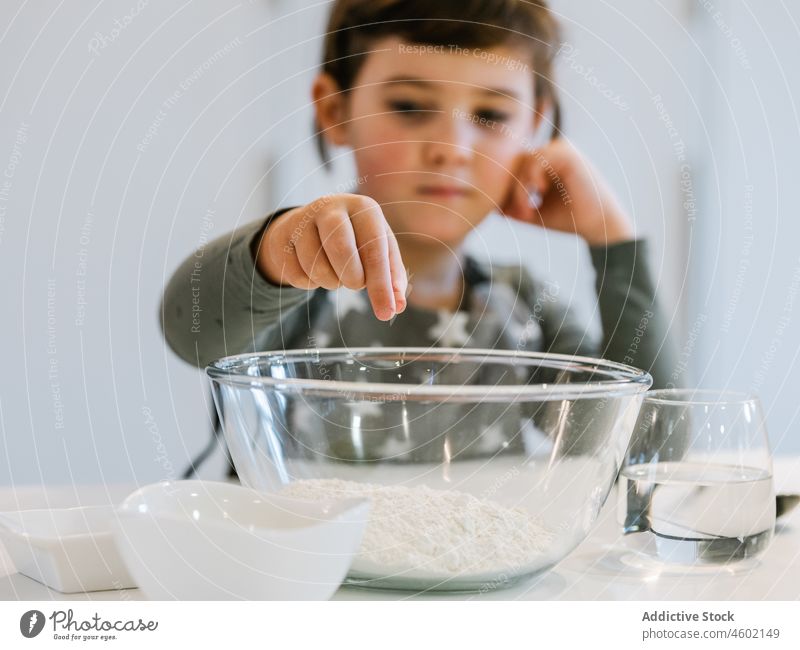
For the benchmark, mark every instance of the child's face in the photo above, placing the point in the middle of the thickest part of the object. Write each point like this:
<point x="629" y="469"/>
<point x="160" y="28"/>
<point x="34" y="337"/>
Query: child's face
<point x="437" y="135"/>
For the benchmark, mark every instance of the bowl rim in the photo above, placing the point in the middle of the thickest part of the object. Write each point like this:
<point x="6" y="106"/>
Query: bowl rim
<point x="632" y="380"/>
<point x="701" y="397"/>
<point x="128" y="509"/>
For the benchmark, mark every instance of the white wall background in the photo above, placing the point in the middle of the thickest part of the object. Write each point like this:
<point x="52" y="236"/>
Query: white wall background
<point x="745" y="259"/>
<point x="121" y="129"/>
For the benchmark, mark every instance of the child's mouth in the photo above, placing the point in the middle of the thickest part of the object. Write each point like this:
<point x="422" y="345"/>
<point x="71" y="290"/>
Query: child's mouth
<point x="444" y="191"/>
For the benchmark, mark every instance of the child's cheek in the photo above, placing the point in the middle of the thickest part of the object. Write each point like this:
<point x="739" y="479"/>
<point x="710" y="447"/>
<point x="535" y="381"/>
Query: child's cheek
<point x="499" y="169"/>
<point x="385" y="156"/>
<point x="380" y="167"/>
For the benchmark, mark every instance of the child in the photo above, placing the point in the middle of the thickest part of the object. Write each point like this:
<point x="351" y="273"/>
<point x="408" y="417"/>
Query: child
<point x="440" y="103"/>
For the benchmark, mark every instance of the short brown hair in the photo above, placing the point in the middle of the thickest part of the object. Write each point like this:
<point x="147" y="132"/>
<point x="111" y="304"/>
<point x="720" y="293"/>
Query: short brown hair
<point x="354" y="25"/>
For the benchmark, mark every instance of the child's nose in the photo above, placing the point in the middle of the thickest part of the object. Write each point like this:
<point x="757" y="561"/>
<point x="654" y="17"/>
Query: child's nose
<point x="449" y="143"/>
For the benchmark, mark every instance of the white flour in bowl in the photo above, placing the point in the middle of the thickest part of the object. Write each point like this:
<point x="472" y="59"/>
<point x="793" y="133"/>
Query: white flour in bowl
<point x="435" y="532"/>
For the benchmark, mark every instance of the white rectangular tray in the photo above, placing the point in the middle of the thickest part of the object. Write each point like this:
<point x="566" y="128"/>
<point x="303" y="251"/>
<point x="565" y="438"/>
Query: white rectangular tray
<point x="68" y="549"/>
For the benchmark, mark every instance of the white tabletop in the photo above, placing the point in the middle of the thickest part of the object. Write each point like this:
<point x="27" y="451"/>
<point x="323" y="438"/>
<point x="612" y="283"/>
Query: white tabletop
<point x="599" y="569"/>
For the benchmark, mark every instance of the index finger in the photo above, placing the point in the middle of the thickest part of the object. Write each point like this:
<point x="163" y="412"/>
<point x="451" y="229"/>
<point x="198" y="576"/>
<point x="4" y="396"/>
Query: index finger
<point x="398" y="270"/>
<point x="373" y="248"/>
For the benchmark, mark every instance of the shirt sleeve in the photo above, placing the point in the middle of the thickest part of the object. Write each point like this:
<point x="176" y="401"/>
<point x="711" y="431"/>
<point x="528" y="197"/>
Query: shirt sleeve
<point x="217" y="303"/>
<point x="635" y="329"/>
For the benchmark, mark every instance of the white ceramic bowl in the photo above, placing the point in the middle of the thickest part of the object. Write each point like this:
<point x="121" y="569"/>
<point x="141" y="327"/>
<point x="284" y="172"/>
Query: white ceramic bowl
<point x="68" y="549"/>
<point x="204" y="540"/>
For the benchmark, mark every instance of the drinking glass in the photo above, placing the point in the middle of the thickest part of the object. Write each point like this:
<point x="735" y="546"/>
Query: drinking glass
<point x="696" y="484"/>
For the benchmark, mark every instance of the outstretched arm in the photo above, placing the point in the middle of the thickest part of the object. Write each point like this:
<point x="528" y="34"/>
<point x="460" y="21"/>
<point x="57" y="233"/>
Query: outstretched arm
<point x="218" y="304"/>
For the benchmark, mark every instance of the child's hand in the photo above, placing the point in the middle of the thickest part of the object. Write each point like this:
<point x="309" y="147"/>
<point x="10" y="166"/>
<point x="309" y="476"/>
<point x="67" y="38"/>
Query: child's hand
<point x="337" y="240"/>
<point x="555" y="187"/>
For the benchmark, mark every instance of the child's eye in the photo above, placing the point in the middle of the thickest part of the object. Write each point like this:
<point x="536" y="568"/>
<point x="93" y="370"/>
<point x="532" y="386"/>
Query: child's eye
<point x="492" y="116"/>
<point x="408" y="108"/>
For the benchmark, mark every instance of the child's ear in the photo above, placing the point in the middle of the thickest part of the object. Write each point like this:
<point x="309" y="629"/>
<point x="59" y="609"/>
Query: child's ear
<point x="330" y="105"/>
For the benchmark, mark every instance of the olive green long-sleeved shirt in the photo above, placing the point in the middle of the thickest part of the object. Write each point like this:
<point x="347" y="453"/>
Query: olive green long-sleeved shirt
<point x="218" y="304"/>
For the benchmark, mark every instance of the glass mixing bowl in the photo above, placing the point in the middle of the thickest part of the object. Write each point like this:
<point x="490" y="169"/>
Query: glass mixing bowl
<point x="483" y="467"/>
